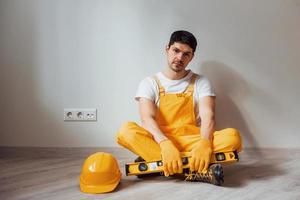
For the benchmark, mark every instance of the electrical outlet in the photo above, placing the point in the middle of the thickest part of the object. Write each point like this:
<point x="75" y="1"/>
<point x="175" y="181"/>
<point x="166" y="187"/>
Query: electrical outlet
<point x="90" y="114"/>
<point x="80" y="114"/>
<point x="68" y="115"/>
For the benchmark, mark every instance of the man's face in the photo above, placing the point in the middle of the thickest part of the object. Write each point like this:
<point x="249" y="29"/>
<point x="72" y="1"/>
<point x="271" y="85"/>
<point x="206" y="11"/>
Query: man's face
<point x="179" y="55"/>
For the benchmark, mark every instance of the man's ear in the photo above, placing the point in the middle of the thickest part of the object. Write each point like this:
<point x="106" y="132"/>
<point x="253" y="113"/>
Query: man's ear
<point x="167" y="47"/>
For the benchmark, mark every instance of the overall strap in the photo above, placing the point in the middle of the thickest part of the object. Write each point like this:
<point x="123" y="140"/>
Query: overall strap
<point x="161" y="88"/>
<point x="190" y="87"/>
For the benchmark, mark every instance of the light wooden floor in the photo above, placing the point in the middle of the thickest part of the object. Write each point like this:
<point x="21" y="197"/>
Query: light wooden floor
<point x="52" y="173"/>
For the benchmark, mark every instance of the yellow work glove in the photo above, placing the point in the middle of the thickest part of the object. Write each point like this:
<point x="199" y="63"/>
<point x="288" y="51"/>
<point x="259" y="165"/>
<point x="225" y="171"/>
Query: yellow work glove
<point x="171" y="158"/>
<point x="200" y="156"/>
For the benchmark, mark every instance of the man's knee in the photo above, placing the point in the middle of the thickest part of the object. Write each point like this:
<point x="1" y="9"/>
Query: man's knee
<point x="234" y="139"/>
<point x="127" y="132"/>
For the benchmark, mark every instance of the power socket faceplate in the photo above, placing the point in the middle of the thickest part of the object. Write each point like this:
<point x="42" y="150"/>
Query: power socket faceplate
<point x="80" y="114"/>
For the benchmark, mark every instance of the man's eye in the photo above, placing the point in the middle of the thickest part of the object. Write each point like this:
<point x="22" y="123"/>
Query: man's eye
<point x="176" y="50"/>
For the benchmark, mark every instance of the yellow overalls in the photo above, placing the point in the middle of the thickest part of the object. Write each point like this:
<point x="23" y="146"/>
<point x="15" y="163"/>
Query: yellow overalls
<point x="176" y="119"/>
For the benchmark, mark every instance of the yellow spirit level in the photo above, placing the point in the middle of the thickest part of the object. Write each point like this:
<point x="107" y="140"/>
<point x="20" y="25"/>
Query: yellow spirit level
<point x="139" y="168"/>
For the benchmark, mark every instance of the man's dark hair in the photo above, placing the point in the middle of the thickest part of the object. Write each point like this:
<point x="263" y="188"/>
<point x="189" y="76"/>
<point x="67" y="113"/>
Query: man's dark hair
<point x="184" y="37"/>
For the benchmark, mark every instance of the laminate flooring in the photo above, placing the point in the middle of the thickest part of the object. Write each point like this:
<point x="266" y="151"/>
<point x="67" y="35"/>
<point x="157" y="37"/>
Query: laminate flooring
<point x="53" y="173"/>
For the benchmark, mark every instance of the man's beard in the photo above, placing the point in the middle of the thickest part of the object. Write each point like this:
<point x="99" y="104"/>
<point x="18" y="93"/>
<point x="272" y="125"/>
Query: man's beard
<point x="176" y="69"/>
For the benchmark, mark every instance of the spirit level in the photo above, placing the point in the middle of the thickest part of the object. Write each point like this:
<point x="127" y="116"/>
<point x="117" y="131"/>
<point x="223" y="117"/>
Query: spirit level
<point x="139" y="168"/>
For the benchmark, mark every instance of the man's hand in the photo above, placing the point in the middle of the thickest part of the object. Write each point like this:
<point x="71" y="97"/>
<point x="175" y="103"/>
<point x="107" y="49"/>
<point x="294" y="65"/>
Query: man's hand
<point x="171" y="158"/>
<point x="200" y="156"/>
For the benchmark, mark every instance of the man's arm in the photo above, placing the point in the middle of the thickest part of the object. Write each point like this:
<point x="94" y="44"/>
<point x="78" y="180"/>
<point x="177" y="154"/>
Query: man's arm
<point x="147" y="113"/>
<point x="201" y="153"/>
<point x="207" y="115"/>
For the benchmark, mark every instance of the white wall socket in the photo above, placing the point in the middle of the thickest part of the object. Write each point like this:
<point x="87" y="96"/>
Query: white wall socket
<point x="80" y="114"/>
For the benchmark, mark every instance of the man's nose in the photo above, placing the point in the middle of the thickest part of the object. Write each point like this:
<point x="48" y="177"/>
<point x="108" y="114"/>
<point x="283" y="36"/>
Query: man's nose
<point x="179" y="56"/>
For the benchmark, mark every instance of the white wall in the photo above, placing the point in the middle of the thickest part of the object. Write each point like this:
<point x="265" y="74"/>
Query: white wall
<point x="57" y="54"/>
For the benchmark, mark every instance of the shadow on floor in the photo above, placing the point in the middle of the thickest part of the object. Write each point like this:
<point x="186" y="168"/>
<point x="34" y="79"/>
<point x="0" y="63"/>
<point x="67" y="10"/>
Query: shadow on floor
<point x="241" y="174"/>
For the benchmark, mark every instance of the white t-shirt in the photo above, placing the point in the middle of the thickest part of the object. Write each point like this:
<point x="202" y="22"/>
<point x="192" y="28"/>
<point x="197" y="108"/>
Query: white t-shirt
<point x="148" y="88"/>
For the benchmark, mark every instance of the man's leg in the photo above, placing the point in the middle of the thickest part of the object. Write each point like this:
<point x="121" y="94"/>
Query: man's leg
<point x="139" y="141"/>
<point x="223" y="141"/>
<point x="228" y="139"/>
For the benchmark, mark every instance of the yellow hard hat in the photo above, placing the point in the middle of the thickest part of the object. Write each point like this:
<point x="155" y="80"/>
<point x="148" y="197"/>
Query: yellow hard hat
<point x="100" y="173"/>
